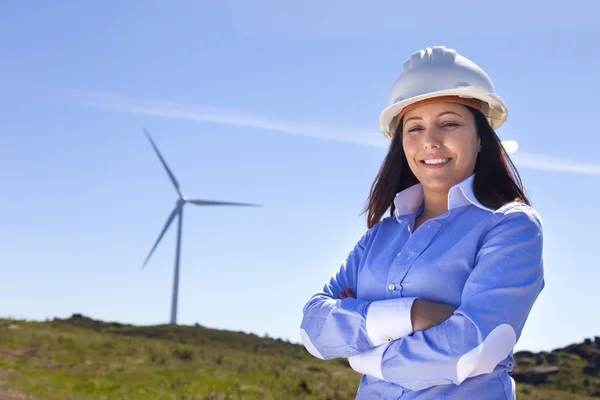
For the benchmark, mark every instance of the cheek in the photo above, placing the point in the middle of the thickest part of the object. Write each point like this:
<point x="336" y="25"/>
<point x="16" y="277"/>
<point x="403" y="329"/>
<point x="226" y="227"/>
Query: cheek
<point x="409" y="148"/>
<point x="466" y="146"/>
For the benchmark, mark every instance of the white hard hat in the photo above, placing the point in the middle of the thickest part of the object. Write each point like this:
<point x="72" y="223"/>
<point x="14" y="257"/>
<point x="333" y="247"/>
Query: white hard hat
<point x="442" y="72"/>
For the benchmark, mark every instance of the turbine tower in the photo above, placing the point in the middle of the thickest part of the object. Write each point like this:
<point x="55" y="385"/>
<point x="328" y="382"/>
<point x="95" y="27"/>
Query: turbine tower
<point x="178" y="212"/>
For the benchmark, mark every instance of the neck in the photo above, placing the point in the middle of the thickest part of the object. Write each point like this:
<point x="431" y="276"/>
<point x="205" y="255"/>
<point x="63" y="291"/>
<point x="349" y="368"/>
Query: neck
<point x="434" y="204"/>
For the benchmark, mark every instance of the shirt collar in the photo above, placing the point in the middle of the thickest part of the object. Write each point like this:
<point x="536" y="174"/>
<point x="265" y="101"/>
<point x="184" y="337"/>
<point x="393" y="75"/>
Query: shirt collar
<point x="410" y="200"/>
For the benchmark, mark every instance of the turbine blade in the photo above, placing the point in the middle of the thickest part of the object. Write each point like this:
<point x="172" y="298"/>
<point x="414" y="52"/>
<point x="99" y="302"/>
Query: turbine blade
<point x="220" y="203"/>
<point x="164" y="163"/>
<point x="162" y="233"/>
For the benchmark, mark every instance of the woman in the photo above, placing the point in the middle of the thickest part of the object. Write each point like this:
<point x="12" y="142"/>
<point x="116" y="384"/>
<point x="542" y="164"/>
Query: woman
<point x="432" y="299"/>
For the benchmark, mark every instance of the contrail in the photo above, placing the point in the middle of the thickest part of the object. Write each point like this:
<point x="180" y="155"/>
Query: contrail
<point x="549" y="163"/>
<point x="221" y="116"/>
<point x="365" y="137"/>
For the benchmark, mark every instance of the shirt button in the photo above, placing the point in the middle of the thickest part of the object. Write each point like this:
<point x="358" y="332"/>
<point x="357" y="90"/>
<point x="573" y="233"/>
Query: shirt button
<point x="392" y="286"/>
<point x="399" y="254"/>
<point x="389" y="339"/>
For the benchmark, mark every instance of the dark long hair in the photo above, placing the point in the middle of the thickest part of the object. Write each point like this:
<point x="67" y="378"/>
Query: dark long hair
<point x="496" y="183"/>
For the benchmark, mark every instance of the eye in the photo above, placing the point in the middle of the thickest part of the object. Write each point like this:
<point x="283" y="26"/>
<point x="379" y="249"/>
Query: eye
<point x="415" y="128"/>
<point x="450" y="124"/>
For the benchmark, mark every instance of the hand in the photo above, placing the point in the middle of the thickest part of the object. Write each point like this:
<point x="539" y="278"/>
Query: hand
<point x="427" y="314"/>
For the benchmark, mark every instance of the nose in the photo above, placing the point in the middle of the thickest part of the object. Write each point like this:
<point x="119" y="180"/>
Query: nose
<point x="431" y="138"/>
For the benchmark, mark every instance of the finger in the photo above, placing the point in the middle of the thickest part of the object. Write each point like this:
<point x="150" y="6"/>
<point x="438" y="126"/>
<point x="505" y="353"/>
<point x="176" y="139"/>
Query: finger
<point x="342" y="295"/>
<point x="349" y="293"/>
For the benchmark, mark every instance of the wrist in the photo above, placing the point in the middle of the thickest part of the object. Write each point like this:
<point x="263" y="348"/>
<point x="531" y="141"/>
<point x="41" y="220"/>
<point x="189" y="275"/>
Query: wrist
<point x="415" y="314"/>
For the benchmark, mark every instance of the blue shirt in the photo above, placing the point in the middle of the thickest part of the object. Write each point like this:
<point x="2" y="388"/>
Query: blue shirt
<point x="486" y="263"/>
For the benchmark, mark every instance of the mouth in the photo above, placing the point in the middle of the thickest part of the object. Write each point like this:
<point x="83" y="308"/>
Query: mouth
<point x="435" y="162"/>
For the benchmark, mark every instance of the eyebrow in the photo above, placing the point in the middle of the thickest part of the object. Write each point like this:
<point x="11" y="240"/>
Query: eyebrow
<point x="439" y="115"/>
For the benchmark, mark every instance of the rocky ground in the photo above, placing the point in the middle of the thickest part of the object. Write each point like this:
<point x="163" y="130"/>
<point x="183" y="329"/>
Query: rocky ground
<point x="575" y="368"/>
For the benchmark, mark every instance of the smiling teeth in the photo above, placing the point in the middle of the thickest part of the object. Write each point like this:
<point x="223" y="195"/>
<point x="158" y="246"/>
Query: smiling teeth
<point x="437" y="161"/>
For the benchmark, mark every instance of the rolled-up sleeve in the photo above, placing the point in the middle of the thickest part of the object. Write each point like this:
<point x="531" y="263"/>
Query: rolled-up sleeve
<point x="333" y="328"/>
<point x="496" y="300"/>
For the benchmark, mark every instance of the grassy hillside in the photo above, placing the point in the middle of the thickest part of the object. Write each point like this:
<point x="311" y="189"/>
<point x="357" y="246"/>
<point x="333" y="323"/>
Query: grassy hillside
<point x="83" y="359"/>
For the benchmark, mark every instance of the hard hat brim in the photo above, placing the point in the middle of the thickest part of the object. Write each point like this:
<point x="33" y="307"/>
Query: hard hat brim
<point x="495" y="110"/>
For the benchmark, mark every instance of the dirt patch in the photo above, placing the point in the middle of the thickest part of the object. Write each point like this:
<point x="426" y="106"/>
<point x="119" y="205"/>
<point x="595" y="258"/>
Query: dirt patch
<point x="16" y="353"/>
<point x="9" y="394"/>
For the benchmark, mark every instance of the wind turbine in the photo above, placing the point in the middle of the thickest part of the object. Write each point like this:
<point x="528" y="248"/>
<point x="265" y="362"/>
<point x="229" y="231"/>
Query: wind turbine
<point x="178" y="212"/>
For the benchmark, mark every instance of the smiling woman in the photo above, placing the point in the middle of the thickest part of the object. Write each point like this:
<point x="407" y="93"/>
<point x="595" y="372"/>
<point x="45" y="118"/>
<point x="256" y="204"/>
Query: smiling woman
<point x="432" y="299"/>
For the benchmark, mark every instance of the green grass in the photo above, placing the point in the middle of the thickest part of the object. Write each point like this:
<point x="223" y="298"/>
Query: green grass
<point x="528" y="392"/>
<point x="57" y="360"/>
<point x="84" y="359"/>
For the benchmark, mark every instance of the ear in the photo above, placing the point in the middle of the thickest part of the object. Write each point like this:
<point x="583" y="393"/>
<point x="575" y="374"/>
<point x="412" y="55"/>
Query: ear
<point x="478" y="144"/>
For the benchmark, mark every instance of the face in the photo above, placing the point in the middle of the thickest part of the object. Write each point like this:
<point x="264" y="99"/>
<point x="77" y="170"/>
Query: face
<point x="444" y="135"/>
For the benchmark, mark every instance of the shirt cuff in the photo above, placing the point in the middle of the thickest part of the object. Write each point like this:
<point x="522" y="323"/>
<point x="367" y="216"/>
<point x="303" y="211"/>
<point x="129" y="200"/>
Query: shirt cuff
<point x="389" y="320"/>
<point x="369" y="362"/>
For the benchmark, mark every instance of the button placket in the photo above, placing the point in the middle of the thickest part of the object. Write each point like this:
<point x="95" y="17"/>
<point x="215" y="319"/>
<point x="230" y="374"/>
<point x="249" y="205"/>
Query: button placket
<point x="398" y="264"/>
<point x="415" y="245"/>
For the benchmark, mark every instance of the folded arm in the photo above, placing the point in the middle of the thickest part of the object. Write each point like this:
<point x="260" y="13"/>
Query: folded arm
<point x="496" y="301"/>
<point x="333" y="327"/>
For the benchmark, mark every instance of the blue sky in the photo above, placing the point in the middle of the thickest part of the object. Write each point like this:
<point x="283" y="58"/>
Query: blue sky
<point x="265" y="102"/>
